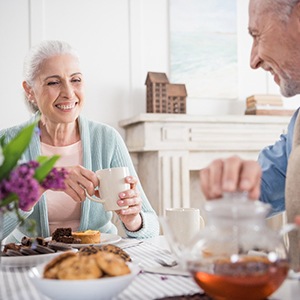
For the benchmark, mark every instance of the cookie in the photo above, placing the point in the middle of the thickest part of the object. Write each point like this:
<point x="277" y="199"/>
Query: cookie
<point x="116" y="250"/>
<point x="111" y="264"/>
<point x="51" y="268"/>
<point x="79" y="267"/>
<point x="88" y="250"/>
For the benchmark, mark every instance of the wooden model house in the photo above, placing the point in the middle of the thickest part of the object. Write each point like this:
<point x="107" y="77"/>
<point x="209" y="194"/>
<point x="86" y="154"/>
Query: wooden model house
<point x="176" y="98"/>
<point x="156" y="91"/>
<point x="164" y="97"/>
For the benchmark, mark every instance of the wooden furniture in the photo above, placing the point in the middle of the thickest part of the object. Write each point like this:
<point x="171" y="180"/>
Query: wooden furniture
<point x="169" y="149"/>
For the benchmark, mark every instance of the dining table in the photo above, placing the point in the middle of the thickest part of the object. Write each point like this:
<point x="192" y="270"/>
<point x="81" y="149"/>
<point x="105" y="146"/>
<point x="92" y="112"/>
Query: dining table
<point x="152" y="282"/>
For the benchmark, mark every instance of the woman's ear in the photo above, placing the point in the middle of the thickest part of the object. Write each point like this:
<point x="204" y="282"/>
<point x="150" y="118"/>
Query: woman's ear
<point x="28" y="90"/>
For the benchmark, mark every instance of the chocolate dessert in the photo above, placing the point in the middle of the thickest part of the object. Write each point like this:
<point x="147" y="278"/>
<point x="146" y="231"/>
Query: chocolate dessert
<point x="64" y="235"/>
<point x="33" y="246"/>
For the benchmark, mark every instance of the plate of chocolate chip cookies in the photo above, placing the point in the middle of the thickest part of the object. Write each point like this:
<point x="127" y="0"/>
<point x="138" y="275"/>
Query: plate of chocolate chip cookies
<point x="88" y="274"/>
<point x="32" y="251"/>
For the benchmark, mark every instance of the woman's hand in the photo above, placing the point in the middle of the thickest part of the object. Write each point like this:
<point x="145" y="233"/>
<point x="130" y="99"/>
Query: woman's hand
<point x="231" y="175"/>
<point x="130" y="216"/>
<point x="78" y="180"/>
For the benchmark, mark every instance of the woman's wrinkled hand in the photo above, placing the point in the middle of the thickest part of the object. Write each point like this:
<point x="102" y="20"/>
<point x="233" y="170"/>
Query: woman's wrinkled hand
<point x="78" y="180"/>
<point x="232" y="174"/>
<point x="130" y="216"/>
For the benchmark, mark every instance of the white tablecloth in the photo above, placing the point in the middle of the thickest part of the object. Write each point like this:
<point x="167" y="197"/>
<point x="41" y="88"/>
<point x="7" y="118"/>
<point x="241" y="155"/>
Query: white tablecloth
<point x="15" y="285"/>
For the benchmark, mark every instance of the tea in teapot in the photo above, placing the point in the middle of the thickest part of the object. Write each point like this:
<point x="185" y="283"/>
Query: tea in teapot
<point x="237" y="256"/>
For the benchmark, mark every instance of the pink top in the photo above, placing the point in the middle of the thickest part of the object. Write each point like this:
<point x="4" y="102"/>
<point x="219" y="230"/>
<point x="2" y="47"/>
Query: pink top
<point x="63" y="211"/>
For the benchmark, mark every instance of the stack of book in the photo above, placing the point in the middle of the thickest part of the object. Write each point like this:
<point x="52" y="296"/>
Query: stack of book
<point x="266" y="104"/>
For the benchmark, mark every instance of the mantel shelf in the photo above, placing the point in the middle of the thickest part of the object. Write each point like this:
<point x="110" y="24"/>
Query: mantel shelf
<point x="166" y="148"/>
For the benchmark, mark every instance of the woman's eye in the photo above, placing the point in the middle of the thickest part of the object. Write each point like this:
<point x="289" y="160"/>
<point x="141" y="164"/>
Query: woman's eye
<point x="76" y="80"/>
<point x="52" y="83"/>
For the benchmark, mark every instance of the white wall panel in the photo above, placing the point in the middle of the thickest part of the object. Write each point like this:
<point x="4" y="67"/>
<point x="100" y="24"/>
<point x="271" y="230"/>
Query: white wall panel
<point x="14" y="39"/>
<point x="119" y="42"/>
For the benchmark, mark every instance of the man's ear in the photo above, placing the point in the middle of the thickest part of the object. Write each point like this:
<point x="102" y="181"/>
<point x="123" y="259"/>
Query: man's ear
<point x="28" y="90"/>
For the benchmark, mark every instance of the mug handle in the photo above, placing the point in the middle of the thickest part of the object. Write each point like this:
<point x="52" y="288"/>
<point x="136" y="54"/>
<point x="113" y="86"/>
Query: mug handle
<point x="94" y="198"/>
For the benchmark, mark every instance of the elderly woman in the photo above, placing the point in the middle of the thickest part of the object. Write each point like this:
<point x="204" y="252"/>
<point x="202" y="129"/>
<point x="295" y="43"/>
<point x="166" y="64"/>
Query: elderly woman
<point x="54" y="88"/>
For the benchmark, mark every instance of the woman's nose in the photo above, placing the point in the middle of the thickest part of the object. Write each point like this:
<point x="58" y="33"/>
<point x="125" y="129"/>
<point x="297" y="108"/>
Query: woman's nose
<point x="68" y="90"/>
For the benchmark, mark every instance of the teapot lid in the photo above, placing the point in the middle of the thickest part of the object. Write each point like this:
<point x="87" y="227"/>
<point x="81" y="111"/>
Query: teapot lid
<point x="237" y="206"/>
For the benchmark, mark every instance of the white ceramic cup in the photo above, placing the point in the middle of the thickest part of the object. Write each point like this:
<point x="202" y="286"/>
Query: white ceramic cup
<point x="185" y="223"/>
<point x="111" y="183"/>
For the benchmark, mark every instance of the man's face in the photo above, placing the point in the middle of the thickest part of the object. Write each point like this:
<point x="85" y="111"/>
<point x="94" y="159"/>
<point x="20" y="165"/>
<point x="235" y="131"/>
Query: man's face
<point x="276" y="45"/>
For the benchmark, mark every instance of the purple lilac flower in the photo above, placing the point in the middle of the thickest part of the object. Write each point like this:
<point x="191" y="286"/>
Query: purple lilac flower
<point x="37" y="130"/>
<point x="22" y="183"/>
<point x="55" y="179"/>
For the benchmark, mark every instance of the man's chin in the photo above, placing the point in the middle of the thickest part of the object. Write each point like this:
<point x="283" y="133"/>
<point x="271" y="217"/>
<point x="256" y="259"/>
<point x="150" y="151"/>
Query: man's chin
<point x="288" y="89"/>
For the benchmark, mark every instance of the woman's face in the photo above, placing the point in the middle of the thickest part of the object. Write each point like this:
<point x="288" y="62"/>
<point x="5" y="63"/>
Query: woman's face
<point x="58" y="89"/>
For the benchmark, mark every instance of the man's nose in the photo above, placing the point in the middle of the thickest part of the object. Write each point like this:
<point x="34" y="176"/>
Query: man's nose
<point x="255" y="60"/>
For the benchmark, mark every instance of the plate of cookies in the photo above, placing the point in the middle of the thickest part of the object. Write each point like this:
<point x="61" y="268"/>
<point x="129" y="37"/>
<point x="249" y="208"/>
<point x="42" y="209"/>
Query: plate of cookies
<point x="79" y="239"/>
<point x="83" y="275"/>
<point x="32" y="251"/>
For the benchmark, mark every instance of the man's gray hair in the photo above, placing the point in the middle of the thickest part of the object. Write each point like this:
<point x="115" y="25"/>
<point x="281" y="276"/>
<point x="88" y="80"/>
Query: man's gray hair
<point x="281" y="8"/>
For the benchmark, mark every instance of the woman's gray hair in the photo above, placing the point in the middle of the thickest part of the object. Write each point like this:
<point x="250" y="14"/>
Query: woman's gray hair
<point x="37" y="55"/>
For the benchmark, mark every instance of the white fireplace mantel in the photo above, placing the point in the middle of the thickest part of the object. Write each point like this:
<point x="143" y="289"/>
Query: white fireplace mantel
<point x="168" y="148"/>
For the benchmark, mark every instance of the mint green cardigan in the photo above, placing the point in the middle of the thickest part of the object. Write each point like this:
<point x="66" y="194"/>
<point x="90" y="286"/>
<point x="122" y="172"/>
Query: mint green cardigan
<point x="103" y="147"/>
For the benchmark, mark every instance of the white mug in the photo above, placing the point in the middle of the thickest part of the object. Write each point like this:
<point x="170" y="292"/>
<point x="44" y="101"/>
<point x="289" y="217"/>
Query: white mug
<point x="111" y="183"/>
<point x="185" y="223"/>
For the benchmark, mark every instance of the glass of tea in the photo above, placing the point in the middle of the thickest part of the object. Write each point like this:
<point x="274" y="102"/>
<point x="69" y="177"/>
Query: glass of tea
<point x="236" y="256"/>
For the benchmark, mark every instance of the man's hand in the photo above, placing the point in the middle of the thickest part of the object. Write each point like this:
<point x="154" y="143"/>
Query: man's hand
<point x="231" y="175"/>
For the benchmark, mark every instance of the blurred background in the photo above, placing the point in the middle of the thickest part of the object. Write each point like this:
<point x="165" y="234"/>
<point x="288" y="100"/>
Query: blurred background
<point x="119" y="41"/>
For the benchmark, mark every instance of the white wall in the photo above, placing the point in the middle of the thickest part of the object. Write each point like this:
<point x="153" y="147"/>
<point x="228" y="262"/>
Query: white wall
<point x="119" y="42"/>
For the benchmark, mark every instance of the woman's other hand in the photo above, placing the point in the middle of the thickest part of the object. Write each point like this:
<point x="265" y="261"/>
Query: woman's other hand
<point x="80" y="179"/>
<point x="130" y="216"/>
<point x="231" y="175"/>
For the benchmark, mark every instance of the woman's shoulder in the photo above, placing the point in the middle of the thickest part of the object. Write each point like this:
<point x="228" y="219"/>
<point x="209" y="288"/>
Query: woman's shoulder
<point x="12" y="131"/>
<point x="97" y="127"/>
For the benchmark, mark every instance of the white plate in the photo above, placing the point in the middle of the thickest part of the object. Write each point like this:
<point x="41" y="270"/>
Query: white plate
<point x="29" y="260"/>
<point x="106" y="238"/>
<point x="102" y="288"/>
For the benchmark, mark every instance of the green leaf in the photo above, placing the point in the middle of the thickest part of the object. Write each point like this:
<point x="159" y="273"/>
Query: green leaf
<point x="42" y="171"/>
<point x="13" y="150"/>
<point x="2" y="141"/>
<point x="9" y="199"/>
<point x="41" y="159"/>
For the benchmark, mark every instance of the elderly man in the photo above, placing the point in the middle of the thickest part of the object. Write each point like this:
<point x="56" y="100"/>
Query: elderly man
<point x="275" y="29"/>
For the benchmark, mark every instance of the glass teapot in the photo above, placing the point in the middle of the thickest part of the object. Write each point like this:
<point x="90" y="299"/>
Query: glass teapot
<point x="236" y="256"/>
